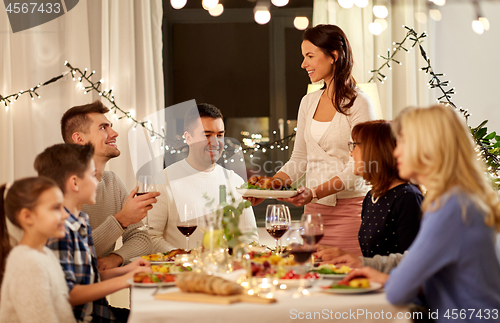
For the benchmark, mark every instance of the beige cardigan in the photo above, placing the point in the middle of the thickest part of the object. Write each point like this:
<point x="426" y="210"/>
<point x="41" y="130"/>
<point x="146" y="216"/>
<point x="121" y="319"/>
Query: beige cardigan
<point x="329" y="157"/>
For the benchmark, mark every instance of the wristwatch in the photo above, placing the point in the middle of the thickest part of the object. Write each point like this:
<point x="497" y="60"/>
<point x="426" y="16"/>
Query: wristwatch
<point x="315" y="196"/>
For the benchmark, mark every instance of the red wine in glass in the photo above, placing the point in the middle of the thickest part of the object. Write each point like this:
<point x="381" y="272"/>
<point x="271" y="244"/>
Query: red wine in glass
<point x="187" y="230"/>
<point x="312" y="239"/>
<point x="302" y="255"/>
<point x="277" y="231"/>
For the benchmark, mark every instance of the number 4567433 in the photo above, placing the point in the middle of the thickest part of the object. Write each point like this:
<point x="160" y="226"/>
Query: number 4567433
<point x="33" y="7"/>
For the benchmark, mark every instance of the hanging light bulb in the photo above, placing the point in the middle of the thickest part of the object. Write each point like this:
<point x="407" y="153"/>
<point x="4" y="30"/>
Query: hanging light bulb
<point x="346" y="3"/>
<point x="301" y="23"/>
<point x="380" y="11"/>
<point x="361" y="3"/>
<point x="262" y="16"/>
<point x="478" y="27"/>
<point x="382" y="23"/>
<point x="279" y="3"/>
<point x="435" y="14"/>
<point x="217" y="10"/>
<point x="178" y="4"/>
<point x="439" y="2"/>
<point x="485" y="22"/>
<point x="207" y="4"/>
<point x="375" y="28"/>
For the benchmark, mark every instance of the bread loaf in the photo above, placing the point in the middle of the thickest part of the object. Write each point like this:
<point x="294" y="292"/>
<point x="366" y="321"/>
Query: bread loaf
<point x="209" y="284"/>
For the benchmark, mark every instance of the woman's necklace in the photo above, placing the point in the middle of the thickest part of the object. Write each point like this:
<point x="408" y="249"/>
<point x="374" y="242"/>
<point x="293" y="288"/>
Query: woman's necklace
<point x="374" y="201"/>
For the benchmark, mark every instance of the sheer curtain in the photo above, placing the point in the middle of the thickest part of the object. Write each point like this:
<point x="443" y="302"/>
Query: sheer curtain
<point x="120" y="40"/>
<point x="405" y="85"/>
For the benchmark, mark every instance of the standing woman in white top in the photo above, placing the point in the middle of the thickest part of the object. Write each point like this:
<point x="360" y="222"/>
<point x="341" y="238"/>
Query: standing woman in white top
<point x="324" y="124"/>
<point x="33" y="287"/>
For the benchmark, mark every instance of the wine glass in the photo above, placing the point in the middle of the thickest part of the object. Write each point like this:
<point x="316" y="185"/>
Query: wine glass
<point x="301" y="252"/>
<point x="312" y="228"/>
<point x="146" y="184"/>
<point x="277" y="221"/>
<point x="188" y="222"/>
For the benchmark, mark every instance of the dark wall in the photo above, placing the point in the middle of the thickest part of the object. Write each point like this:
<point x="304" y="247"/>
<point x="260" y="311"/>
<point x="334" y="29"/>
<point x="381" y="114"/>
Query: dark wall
<point x="226" y="64"/>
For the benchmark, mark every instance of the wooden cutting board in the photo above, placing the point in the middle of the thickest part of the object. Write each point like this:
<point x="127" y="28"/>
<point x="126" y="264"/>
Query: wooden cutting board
<point x="213" y="299"/>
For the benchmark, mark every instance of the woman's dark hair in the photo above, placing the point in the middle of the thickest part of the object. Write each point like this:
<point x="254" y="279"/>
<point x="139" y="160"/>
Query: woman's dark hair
<point x="23" y="194"/>
<point x="377" y="144"/>
<point x="331" y="38"/>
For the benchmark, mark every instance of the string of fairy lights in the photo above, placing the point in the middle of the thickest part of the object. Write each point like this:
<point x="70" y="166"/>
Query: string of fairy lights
<point x="488" y="145"/>
<point x="178" y="146"/>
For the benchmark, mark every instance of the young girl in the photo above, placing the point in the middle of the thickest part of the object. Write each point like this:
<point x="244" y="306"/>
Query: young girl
<point x="33" y="286"/>
<point x="391" y="212"/>
<point x="452" y="261"/>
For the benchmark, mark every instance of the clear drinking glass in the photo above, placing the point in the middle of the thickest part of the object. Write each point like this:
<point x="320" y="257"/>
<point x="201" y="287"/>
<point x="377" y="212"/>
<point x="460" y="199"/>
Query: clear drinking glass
<point x="277" y="222"/>
<point x="146" y="184"/>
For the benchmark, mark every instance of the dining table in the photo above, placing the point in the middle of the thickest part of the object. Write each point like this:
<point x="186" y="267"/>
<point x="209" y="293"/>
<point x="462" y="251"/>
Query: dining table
<point x="318" y="306"/>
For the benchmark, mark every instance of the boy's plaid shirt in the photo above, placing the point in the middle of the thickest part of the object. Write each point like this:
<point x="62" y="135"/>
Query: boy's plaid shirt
<point x="78" y="259"/>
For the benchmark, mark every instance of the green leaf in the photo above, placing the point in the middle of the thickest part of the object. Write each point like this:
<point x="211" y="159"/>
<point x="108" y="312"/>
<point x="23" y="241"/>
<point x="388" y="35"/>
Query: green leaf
<point x="490" y="136"/>
<point x="481" y="125"/>
<point x="480" y="133"/>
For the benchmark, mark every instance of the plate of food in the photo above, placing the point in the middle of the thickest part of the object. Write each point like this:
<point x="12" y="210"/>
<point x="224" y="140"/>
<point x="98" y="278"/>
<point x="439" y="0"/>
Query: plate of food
<point x="354" y="286"/>
<point x="331" y="271"/>
<point x="162" y="258"/>
<point x="291" y="279"/>
<point x="266" y="187"/>
<point x="171" y="269"/>
<point x="152" y="280"/>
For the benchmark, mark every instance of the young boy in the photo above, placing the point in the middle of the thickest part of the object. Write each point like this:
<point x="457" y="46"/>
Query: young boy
<point x="71" y="166"/>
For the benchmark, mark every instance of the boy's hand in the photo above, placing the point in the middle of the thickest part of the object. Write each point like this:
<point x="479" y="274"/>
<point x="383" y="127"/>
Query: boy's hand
<point x="136" y="208"/>
<point x="108" y="262"/>
<point x="130" y="274"/>
<point x="138" y="263"/>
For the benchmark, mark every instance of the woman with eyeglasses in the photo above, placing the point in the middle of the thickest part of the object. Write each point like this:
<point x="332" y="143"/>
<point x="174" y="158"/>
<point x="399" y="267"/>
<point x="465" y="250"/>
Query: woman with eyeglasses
<point x="391" y="212"/>
<point x="325" y="120"/>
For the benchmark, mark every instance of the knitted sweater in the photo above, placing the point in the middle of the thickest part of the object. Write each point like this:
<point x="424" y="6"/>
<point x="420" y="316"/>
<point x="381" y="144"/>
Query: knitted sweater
<point x="111" y="194"/>
<point x="34" y="289"/>
<point x="328" y="157"/>
<point x="185" y="185"/>
<point x="452" y="261"/>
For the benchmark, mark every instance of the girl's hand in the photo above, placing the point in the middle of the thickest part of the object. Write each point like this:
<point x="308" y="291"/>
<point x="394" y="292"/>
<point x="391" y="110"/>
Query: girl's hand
<point x="367" y="272"/>
<point x="303" y="197"/>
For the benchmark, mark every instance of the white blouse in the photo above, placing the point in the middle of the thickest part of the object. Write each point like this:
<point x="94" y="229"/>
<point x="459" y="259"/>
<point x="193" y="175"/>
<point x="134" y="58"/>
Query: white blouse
<point x="318" y="129"/>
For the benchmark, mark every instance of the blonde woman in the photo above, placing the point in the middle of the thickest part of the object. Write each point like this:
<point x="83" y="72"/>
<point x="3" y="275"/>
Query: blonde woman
<point x="452" y="260"/>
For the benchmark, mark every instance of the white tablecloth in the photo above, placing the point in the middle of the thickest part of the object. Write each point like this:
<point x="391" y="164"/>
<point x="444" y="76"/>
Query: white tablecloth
<point x="371" y="307"/>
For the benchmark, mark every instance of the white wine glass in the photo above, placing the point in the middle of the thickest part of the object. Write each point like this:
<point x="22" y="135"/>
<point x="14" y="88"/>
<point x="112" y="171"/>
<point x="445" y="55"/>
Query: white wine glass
<point x="146" y="184"/>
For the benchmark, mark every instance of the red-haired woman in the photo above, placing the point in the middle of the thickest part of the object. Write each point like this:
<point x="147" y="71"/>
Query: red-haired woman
<point x="391" y="210"/>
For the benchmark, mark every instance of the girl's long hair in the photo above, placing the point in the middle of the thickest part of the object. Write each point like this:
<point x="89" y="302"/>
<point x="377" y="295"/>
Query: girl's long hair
<point x="23" y="194"/>
<point x="439" y="146"/>
<point x="331" y="38"/>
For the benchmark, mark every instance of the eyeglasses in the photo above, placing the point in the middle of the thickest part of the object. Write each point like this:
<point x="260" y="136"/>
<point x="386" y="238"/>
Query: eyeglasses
<point x="352" y="145"/>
